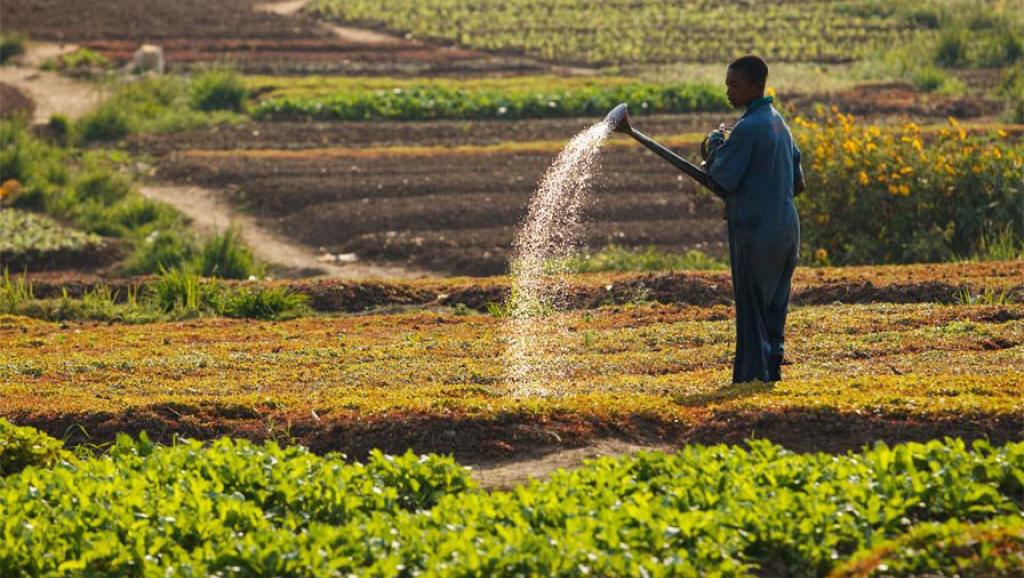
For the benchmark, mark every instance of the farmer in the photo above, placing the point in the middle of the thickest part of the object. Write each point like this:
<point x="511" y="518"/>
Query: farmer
<point x="757" y="172"/>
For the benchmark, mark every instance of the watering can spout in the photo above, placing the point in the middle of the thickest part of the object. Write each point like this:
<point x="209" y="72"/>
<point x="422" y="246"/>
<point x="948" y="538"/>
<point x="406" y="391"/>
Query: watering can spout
<point x="618" y="118"/>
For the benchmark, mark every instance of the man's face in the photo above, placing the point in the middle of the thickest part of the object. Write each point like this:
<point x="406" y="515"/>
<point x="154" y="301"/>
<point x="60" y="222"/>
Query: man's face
<point x="740" y="90"/>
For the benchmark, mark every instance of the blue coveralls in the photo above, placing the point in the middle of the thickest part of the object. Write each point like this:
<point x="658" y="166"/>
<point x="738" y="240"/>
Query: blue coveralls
<point x="756" y="167"/>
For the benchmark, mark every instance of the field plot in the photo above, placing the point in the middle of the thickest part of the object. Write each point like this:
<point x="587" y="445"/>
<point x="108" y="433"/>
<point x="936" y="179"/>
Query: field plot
<point x="453" y="212"/>
<point x="433" y="380"/>
<point x="258" y="40"/>
<point x="646" y="31"/>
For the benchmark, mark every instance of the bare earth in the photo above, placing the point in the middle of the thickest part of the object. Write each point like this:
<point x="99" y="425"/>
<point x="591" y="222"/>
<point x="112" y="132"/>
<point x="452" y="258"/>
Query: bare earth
<point x="210" y="213"/>
<point x="51" y="92"/>
<point x="506" y="475"/>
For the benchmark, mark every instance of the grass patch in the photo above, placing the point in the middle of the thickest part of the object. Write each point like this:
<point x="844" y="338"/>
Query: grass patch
<point x="617" y="258"/>
<point x="159" y="104"/>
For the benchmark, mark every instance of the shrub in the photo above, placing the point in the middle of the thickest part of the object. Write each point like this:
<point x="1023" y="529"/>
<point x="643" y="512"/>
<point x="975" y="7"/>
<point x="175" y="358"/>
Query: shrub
<point x="23" y="447"/>
<point x="108" y="123"/>
<point x="160" y="249"/>
<point x="991" y="549"/>
<point x="892" y="194"/>
<point x="11" y="45"/>
<point x="60" y="130"/>
<point x="225" y="255"/>
<point x="257" y="302"/>
<point x="219" y="88"/>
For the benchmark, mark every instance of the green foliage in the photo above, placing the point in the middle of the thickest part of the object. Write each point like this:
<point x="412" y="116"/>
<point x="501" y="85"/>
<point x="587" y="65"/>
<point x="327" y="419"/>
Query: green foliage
<point x="530" y="97"/>
<point x="109" y="122"/>
<point x="1011" y="90"/>
<point x="259" y="302"/>
<point x="160" y="249"/>
<point x="11" y="45"/>
<point x="895" y="195"/>
<point x="646" y="31"/>
<point x="61" y="130"/>
<point x="236" y="508"/>
<point x="219" y="88"/>
<point x="182" y="290"/>
<point x="989" y="549"/>
<point x="14" y="292"/>
<point x="23" y="447"/>
<point x="225" y="255"/>
<point x="617" y="258"/>
<point x="148" y="104"/>
<point x="22" y="232"/>
<point x="81" y="61"/>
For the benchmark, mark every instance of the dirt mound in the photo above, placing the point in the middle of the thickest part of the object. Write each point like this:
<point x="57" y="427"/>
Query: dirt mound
<point x="14" y="102"/>
<point x="934" y="283"/>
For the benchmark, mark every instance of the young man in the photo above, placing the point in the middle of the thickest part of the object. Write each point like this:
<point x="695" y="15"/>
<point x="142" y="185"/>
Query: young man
<point x="757" y="171"/>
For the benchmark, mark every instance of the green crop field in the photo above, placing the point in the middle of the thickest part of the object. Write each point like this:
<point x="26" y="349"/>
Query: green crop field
<point x="238" y="509"/>
<point x="655" y="31"/>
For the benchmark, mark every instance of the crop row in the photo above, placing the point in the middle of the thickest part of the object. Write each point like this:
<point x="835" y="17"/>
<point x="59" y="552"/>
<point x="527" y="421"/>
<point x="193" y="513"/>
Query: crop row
<point x="535" y="97"/>
<point x="420" y="376"/>
<point x="645" y="31"/>
<point x="233" y="508"/>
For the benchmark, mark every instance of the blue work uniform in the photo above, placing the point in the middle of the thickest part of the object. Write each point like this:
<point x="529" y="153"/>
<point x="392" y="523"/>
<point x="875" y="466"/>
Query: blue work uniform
<point x="755" y="170"/>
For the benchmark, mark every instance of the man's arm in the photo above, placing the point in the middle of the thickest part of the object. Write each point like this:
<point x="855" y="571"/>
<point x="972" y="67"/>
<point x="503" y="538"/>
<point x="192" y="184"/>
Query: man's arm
<point x="798" y="172"/>
<point x="730" y="161"/>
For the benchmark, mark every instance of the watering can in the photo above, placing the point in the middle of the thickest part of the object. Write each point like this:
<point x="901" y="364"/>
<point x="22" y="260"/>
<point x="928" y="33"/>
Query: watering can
<point x="618" y="118"/>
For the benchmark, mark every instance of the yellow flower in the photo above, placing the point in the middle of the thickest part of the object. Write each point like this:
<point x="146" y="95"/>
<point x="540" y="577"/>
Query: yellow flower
<point x="863" y="177"/>
<point x="894" y="190"/>
<point x="904" y="190"/>
<point x="1002" y="133"/>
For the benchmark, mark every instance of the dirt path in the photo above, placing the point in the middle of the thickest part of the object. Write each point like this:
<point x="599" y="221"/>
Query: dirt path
<point x="506" y="475"/>
<point x="51" y="92"/>
<point x="210" y="213"/>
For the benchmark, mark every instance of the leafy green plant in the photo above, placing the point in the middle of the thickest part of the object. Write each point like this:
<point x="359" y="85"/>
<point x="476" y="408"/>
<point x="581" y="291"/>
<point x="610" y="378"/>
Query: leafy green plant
<point x="22" y="232"/>
<point x="721" y="510"/>
<point x="23" y="447"/>
<point x="529" y="97"/>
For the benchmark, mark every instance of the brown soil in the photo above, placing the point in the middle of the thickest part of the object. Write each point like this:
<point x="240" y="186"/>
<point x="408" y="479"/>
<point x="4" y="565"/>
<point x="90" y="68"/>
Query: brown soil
<point x="259" y="40"/>
<point x="927" y="283"/>
<point x="450" y="212"/>
<point x="210" y="214"/>
<point x="511" y="448"/>
<point x="14" y="102"/>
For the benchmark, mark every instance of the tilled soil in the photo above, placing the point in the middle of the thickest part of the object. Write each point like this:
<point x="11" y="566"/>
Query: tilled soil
<point x="452" y="212"/>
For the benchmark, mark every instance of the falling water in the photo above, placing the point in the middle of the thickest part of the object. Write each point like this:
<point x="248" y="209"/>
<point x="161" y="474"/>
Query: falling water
<point x="551" y="233"/>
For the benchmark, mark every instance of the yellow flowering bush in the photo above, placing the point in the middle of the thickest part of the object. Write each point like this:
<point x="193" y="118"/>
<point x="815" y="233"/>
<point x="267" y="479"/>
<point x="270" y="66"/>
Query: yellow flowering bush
<point x="881" y="194"/>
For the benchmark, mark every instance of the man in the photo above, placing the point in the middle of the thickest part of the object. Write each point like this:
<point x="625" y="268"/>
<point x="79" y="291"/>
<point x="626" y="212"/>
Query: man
<point x="757" y="172"/>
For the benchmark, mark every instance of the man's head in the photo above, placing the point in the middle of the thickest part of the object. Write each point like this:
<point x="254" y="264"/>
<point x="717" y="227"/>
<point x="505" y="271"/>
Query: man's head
<point x="745" y="80"/>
